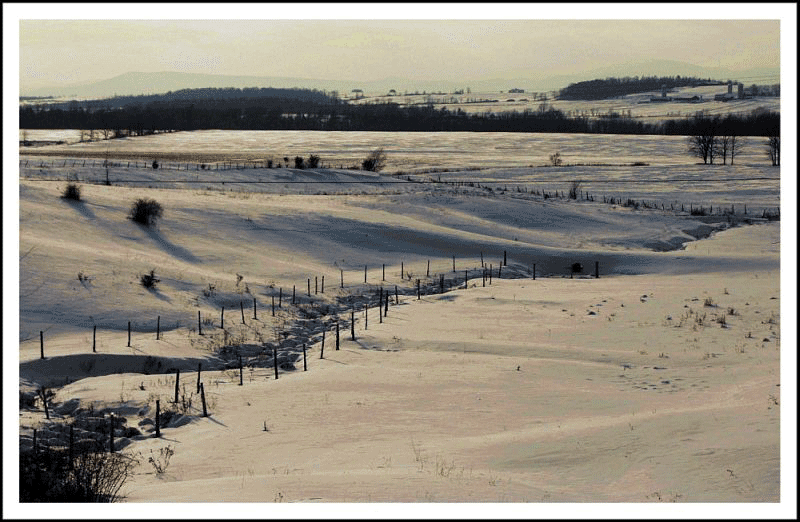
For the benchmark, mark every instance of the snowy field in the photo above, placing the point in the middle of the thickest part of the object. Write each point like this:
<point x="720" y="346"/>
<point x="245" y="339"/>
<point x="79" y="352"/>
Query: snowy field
<point x="662" y="381"/>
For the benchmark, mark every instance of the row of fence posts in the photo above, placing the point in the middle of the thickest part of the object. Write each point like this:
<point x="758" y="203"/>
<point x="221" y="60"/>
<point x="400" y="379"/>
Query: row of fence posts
<point x="383" y="310"/>
<point x="487" y="273"/>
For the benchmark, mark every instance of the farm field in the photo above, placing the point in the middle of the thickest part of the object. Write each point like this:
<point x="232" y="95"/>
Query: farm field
<point x="663" y="380"/>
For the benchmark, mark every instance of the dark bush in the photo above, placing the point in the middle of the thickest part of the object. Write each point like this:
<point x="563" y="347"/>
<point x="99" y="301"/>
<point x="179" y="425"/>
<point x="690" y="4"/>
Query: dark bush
<point x="149" y="280"/>
<point x="576" y="268"/>
<point x="72" y="191"/>
<point x="375" y="161"/>
<point x="146" y="212"/>
<point x="47" y="475"/>
<point x="313" y="161"/>
<point x="299" y="162"/>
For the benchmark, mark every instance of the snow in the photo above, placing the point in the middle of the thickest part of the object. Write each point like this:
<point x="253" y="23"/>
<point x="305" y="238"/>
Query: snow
<point x="621" y="390"/>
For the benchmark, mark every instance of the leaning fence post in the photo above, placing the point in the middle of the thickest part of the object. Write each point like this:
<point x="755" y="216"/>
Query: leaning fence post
<point x="241" y="306"/>
<point x="203" y="398"/>
<point x="322" y="348"/>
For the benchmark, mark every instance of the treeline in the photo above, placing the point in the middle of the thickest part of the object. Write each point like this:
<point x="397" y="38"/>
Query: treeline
<point x="229" y="114"/>
<point x="612" y="87"/>
<point x="227" y="97"/>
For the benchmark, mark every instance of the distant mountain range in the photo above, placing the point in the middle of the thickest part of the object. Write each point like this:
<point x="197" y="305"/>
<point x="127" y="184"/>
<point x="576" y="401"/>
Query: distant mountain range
<point x="134" y="83"/>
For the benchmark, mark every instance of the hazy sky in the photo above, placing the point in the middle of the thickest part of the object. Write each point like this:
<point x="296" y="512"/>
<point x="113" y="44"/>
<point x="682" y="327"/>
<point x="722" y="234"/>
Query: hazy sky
<point x="340" y="47"/>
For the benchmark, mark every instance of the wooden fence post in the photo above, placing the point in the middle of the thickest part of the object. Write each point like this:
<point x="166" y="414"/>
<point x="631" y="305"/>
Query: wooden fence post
<point x="275" y="361"/>
<point x="305" y="366"/>
<point x="309" y="287"/>
<point x="380" y="305"/>
<point x="366" y="315"/>
<point x="158" y="327"/>
<point x="222" y="318"/>
<point x="490" y="273"/>
<point x="322" y="348"/>
<point x="111" y="433"/>
<point x="441" y="283"/>
<point x="94" y="339"/>
<point x="597" y="269"/>
<point x="322" y="289"/>
<point x="341" y="278"/>
<point x="177" y="379"/>
<point x="129" y="333"/>
<point x="482" y="266"/>
<point x="352" y="325"/>
<point x="158" y="418"/>
<point x="293" y="293"/>
<point x="505" y="259"/>
<point x="203" y="399"/>
<point x="280" y="297"/>
<point x="241" y="306"/>
<point x="533" y="272"/>
<point x="418" y="292"/>
<point x="71" y="443"/>
<point x="337" y="335"/>
<point x="500" y="271"/>
<point x="273" y="306"/>
<point x="401" y="270"/>
<point x="255" y="312"/>
<point x="383" y="272"/>
<point x="428" y="272"/>
<point x="199" y="325"/>
<point x="466" y="278"/>
<point x="365" y="273"/>
<point x="199" y="370"/>
<point x="386" y="303"/>
<point x="316" y="285"/>
<point x="454" y="263"/>
<point x="241" y="372"/>
<point x="44" y="400"/>
<point x="396" y="297"/>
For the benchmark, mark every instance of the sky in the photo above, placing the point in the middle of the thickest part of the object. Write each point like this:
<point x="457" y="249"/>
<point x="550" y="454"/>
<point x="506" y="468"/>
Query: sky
<point x="81" y="43"/>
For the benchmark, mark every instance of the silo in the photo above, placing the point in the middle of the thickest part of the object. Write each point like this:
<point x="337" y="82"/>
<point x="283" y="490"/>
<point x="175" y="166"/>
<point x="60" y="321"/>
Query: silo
<point x="741" y="90"/>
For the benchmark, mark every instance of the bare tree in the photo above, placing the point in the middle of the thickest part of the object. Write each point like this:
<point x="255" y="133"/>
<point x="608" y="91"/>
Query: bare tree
<point x="375" y="161"/>
<point x="774" y="148"/>
<point x="704" y="143"/>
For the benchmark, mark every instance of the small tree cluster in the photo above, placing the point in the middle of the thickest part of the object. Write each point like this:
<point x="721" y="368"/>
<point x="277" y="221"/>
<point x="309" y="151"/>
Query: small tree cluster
<point x="149" y="280"/>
